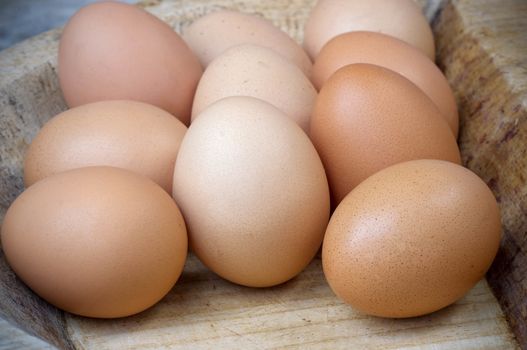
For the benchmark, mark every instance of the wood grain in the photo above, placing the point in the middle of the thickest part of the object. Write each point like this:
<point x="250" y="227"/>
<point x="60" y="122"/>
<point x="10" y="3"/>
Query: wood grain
<point x="29" y="96"/>
<point x="203" y="312"/>
<point x="482" y="48"/>
<point x="14" y="338"/>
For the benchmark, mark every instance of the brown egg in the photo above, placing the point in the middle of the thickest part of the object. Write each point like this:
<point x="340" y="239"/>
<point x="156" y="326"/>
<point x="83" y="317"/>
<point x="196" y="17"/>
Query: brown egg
<point x="411" y="239"/>
<point x="391" y="53"/>
<point x="402" y="19"/>
<point x="253" y="192"/>
<point x="125" y="134"/>
<point x="216" y="32"/>
<point x="249" y="70"/>
<point x="111" y="51"/>
<point x="367" y="118"/>
<point x="97" y="241"/>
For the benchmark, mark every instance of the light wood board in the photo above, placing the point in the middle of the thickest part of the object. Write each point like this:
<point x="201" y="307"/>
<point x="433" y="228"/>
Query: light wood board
<point x="204" y="312"/>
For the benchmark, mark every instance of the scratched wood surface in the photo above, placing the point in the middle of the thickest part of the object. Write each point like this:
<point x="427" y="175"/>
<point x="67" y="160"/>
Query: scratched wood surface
<point x="203" y="311"/>
<point x="482" y="47"/>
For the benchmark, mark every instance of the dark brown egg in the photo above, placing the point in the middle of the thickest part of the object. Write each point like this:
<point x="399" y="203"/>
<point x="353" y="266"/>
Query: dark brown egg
<point x="367" y="118"/>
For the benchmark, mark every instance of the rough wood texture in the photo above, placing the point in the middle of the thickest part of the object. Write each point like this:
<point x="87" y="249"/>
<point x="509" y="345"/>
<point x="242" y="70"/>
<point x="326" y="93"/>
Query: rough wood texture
<point x="29" y="96"/>
<point x="482" y="48"/>
<point x="14" y="338"/>
<point x="203" y="311"/>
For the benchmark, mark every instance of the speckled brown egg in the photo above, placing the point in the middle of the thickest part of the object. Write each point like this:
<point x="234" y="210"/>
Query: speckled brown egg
<point x="402" y="19"/>
<point x="96" y="241"/>
<point x="111" y="50"/>
<point x="249" y="70"/>
<point x="394" y="54"/>
<point x="411" y="239"/>
<point x="367" y="118"/>
<point x="126" y="134"/>
<point x="253" y="192"/>
<point x="213" y="34"/>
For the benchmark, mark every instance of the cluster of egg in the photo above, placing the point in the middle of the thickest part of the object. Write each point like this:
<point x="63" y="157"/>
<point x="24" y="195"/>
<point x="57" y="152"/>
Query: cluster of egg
<point x="117" y="187"/>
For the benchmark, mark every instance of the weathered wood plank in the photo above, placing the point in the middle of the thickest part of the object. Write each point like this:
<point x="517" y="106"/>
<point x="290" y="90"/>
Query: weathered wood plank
<point x="29" y="96"/>
<point x="482" y="48"/>
<point x="14" y="338"/>
<point x="204" y="311"/>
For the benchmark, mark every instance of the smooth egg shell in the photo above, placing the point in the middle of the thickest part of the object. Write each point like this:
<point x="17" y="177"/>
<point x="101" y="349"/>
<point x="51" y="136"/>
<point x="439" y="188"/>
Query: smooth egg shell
<point x="112" y="51"/>
<point x="394" y="54"/>
<point x="411" y="239"/>
<point x="253" y="192"/>
<point x="213" y="34"/>
<point x="125" y="134"/>
<point x="367" y="118"/>
<point x="249" y="70"/>
<point x="402" y="19"/>
<point x="96" y="241"/>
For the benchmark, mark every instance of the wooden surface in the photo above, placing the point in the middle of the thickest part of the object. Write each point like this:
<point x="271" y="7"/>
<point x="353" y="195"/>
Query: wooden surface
<point x="476" y="38"/>
<point x="12" y="337"/>
<point x="29" y="96"/>
<point x="482" y="47"/>
<point x="204" y="312"/>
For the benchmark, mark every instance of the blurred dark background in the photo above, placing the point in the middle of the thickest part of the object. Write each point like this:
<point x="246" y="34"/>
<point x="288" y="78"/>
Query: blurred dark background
<point x="21" y="19"/>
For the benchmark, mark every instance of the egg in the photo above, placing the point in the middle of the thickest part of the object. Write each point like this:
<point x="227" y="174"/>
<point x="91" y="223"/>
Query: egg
<point x="402" y="19"/>
<point x="253" y="192"/>
<point x="96" y="241"/>
<point x="112" y="50"/>
<point x="249" y="70"/>
<point x="388" y="52"/>
<point x="411" y="239"/>
<point x="367" y="118"/>
<point x="126" y="134"/>
<point x="216" y="32"/>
